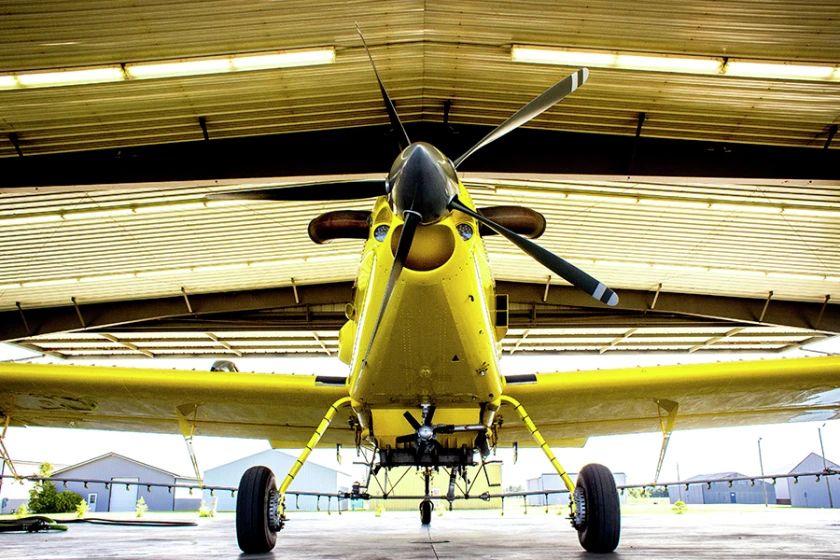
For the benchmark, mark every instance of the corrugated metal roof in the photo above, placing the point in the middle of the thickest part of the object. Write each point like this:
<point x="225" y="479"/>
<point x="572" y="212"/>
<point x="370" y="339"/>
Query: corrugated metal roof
<point x="740" y="240"/>
<point x="427" y="52"/>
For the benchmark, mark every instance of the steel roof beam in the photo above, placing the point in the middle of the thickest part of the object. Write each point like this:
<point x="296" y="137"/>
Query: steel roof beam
<point x="369" y="150"/>
<point x="260" y="309"/>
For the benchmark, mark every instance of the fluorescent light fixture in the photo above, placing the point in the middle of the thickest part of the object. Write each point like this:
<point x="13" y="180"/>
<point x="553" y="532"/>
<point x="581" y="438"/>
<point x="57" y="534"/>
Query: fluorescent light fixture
<point x="164" y="272"/>
<point x="751" y="208"/>
<point x="203" y="66"/>
<point x="71" y="77"/>
<point x="782" y="71"/>
<point x="811" y="212"/>
<point x="215" y="267"/>
<point x="168" y="68"/>
<point x="10" y="286"/>
<point x="675" y="63"/>
<point x="737" y="272"/>
<point x="792" y="276"/>
<point x="622" y="264"/>
<point x="55" y="282"/>
<point x="286" y="59"/>
<point x="614" y="59"/>
<point x="179" y="68"/>
<point x="98" y="214"/>
<point x="285" y="262"/>
<point x="26" y="220"/>
<point x="154" y="208"/>
<point x="107" y="278"/>
<point x="670" y="203"/>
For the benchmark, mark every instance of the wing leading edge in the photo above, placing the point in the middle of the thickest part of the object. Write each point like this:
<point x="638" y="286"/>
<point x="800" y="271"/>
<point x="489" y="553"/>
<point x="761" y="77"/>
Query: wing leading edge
<point x="568" y="407"/>
<point x="284" y="409"/>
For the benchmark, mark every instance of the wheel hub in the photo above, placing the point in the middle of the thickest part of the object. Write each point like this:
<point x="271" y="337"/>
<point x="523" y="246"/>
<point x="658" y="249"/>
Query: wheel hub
<point x="275" y="523"/>
<point x="579" y="515"/>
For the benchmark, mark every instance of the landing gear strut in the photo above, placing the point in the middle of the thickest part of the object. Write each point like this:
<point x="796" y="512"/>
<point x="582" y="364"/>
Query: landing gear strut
<point x="426" y="506"/>
<point x="597" y="515"/>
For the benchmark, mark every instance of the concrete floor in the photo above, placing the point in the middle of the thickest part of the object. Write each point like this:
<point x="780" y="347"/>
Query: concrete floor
<point x="756" y="534"/>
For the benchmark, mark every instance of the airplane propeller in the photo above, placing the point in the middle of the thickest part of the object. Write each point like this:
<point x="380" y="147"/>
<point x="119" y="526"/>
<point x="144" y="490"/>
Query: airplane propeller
<point x="425" y="432"/>
<point x="423" y="188"/>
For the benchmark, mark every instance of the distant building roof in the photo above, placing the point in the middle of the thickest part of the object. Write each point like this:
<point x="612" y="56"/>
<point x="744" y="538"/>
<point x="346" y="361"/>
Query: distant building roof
<point x="798" y="468"/>
<point x="117" y="455"/>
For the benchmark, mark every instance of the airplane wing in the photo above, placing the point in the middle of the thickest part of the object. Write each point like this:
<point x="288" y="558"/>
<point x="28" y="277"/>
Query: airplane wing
<point x="284" y="409"/>
<point x="569" y="407"/>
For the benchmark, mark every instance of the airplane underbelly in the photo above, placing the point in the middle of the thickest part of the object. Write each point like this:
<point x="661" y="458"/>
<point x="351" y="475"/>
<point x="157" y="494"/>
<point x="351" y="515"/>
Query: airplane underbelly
<point x="435" y="345"/>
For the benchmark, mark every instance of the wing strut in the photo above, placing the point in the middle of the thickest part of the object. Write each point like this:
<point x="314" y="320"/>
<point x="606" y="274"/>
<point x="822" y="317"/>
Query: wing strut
<point x="4" y="454"/>
<point x="667" y="425"/>
<point x="188" y="431"/>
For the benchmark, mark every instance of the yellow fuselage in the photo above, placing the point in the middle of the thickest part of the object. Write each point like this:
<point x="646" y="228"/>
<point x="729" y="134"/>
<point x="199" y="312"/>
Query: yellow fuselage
<point x="437" y="342"/>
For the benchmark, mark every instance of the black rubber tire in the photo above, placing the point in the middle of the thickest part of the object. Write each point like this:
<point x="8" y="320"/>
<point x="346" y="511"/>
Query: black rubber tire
<point x="426" y="508"/>
<point x="602" y="527"/>
<point x="252" y="501"/>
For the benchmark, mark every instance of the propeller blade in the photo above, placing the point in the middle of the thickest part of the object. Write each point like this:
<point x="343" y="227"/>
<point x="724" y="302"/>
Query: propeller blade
<point x="410" y="438"/>
<point x="413" y="421"/>
<point x="541" y="103"/>
<point x="430" y="413"/>
<point x="444" y="429"/>
<point x="566" y="270"/>
<point x="402" y="137"/>
<point x="412" y="219"/>
<point x="345" y="190"/>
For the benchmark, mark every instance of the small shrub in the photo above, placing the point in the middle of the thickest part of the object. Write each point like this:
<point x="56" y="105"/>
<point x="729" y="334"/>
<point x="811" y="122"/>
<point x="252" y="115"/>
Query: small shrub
<point x="22" y="511"/>
<point x="679" y="507"/>
<point x="82" y="509"/>
<point x="140" y="508"/>
<point x="66" y="502"/>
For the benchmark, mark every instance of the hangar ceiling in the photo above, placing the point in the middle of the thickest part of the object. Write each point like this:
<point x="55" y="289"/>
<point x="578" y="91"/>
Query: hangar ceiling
<point x="663" y="185"/>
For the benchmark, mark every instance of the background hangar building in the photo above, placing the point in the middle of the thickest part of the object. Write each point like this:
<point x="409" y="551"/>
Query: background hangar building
<point x="710" y="202"/>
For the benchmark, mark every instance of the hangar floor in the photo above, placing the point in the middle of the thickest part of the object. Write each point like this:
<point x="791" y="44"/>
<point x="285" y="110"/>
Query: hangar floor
<point x="750" y="533"/>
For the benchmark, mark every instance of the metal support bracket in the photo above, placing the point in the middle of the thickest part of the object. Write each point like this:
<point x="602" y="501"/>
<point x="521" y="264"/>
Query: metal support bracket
<point x="188" y="431"/>
<point x="535" y="433"/>
<point x="666" y="424"/>
<point x="766" y="305"/>
<point x="78" y="312"/>
<point x="187" y="300"/>
<point x="313" y="442"/>
<point x="29" y="331"/>
<point x="202" y="122"/>
<point x="4" y="453"/>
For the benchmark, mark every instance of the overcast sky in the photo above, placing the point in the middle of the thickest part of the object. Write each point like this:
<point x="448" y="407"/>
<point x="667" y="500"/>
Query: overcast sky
<point x="696" y="451"/>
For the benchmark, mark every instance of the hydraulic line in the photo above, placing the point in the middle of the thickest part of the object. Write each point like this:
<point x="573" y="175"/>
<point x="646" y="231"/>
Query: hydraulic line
<point x="535" y="433"/>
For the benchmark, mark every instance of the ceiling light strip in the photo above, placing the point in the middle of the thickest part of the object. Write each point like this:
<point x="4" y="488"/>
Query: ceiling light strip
<point x="704" y="65"/>
<point x="179" y="271"/>
<point x="669" y="202"/>
<point x="168" y="69"/>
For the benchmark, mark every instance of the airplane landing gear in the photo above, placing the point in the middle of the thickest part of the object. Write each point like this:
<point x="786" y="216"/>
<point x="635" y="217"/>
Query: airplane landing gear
<point x="258" y="511"/>
<point x="597" y="515"/>
<point x="426" y="507"/>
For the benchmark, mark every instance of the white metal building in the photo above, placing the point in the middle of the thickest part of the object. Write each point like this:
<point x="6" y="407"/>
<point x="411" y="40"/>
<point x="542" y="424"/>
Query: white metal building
<point x="312" y="477"/>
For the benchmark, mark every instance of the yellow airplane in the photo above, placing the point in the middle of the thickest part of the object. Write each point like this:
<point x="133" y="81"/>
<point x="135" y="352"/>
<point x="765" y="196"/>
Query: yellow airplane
<point x="423" y="342"/>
